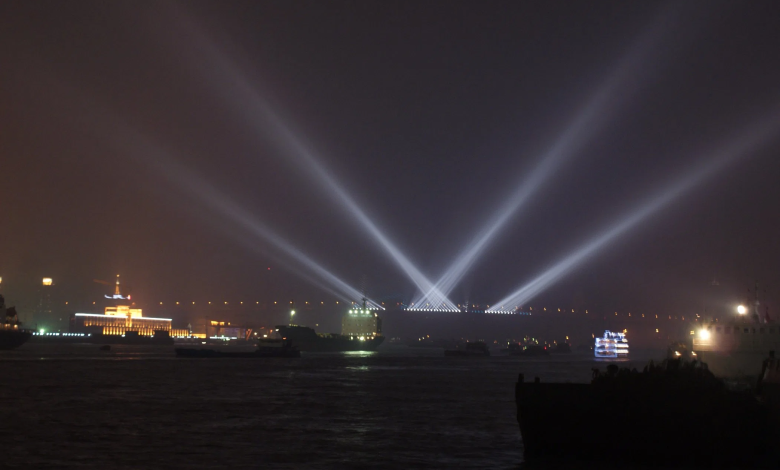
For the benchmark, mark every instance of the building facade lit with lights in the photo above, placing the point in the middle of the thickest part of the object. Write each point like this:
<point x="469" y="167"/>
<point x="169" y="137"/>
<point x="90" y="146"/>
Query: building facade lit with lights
<point x="120" y="319"/>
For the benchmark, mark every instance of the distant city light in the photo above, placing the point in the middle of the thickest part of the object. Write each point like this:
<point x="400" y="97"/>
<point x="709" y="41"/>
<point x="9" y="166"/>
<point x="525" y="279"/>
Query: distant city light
<point x="741" y="310"/>
<point x="47" y="281"/>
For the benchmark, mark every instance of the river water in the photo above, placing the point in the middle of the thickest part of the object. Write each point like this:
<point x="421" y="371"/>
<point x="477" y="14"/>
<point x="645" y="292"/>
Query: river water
<point x="73" y="406"/>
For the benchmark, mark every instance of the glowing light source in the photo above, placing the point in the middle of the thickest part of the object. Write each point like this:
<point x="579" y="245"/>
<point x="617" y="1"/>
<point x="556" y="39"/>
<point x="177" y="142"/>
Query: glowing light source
<point x="47" y="281"/>
<point x="704" y="334"/>
<point x="741" y="310"/>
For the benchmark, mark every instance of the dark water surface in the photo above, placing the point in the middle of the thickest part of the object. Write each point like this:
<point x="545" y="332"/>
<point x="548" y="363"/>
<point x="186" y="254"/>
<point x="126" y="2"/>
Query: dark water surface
<point x="139" y="407"/>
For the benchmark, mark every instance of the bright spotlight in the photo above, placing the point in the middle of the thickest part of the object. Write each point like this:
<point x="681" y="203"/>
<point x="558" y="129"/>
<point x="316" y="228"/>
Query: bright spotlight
<point x="704" y="334"/>
<point x="717" y="158"/>
<point x="584" y="125"/>
<point x="741" y="310"/>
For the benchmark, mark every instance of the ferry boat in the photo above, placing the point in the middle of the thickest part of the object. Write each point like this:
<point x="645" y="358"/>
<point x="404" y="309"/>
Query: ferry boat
<point x="12" y="335"/>
<point x="736" y="348"/>
<point x="611" y="345"/>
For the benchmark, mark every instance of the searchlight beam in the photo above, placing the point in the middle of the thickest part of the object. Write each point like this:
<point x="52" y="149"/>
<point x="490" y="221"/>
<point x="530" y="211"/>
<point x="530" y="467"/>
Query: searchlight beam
<point x="245" y="97"/>
<point x="717" y="158"/>
<point x="584" y="126"/>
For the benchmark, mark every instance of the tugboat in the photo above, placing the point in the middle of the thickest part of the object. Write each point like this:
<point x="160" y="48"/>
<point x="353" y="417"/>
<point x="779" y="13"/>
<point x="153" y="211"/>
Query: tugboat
<point x="611" y="345"/>
<point x="477" y="349"/>
<point x="12" y="335"/>
<point x="672" y="414"/>
<point x="264" y="348"/>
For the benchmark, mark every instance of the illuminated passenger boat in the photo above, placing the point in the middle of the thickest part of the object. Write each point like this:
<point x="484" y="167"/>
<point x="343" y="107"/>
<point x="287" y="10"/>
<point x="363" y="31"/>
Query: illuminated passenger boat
<point x="613" y="345"/>
<point x="737" y="348"/>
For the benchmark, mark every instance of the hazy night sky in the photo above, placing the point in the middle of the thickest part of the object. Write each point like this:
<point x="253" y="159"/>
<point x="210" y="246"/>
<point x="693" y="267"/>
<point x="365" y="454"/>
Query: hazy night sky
<point x="429" y="113"/>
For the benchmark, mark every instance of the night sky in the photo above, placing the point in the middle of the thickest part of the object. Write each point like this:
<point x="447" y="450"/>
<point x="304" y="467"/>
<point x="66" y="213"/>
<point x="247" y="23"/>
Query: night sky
<point x="119" y="120"/>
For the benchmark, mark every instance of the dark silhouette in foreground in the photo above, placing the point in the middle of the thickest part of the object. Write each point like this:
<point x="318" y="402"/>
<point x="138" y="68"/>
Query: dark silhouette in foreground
<point x="675" y="413"/>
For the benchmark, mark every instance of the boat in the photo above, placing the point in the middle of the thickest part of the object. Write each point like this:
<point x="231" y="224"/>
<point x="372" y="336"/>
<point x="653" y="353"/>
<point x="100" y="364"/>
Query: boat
<point x="361" y="330"/>
<point x="736" y="348"/>
<point x="12" y="335"/>
<point x="475" y="349"/>
<point x="675" y="414"/>
<point x="611" y="345"/>
<point x="263" y="348"/>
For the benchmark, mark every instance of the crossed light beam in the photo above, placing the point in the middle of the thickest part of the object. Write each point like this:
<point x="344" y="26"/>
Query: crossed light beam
<point x="156" y="157"/>
<point x="584" y="126"/>
<point x="211" y="197"/>
<point x="718" y="157"/>
<point x="235" y="88"/>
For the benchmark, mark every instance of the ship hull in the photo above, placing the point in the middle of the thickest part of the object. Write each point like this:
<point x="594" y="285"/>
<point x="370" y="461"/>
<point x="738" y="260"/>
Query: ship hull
<point x="337" y="344"/>
<point x="734" y="365"/>
<point x="12" y="339"/>
<point x="211" y="353"/>
<point x="104" y="339"/>
<point x="306" y="339"/>
<point x="578" y="423"/>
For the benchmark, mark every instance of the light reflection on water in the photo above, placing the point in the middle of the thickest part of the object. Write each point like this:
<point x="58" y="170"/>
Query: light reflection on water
<point x="142" y="407"/>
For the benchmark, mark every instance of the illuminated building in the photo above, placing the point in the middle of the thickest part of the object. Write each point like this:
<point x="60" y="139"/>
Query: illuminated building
<point x="43" y="311"/>
<point x="122" y="319"/>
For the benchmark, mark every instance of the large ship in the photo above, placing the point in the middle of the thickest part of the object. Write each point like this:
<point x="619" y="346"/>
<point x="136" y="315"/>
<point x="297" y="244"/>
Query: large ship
<point x="736" y="348"/>
<point x="361" y="330"/>
<point x="12" y="335"/>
